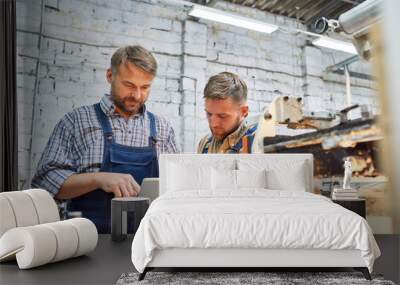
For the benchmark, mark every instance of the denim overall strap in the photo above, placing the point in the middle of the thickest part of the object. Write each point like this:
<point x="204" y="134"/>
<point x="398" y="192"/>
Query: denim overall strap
<point x="238" y="146"/>
<point x="205" y="149"/>
<point x="153" y="130"/>
<point x="104" y="122"/>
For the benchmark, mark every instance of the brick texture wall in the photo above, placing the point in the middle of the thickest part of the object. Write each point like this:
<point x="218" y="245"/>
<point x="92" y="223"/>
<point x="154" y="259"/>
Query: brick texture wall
<point x="64" y="48"/>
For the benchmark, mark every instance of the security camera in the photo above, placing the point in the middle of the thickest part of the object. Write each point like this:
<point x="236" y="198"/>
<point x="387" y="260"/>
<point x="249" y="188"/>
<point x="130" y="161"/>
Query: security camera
<point x="322" y="25"/>
<point x="355" y="22"/>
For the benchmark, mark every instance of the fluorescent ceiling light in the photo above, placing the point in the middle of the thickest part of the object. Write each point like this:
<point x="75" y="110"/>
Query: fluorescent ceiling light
<point x="335" y="44"/>
<point x="231" y="19"/>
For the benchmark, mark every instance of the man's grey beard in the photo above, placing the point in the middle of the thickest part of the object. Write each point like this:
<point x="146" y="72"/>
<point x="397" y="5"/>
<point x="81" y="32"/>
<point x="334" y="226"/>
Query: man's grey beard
<point x="120" y="104"/>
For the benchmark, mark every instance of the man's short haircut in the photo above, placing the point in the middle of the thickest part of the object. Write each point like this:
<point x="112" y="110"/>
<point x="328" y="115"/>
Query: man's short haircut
<point x="137" y="55"/>
<point x="226" y="85"/>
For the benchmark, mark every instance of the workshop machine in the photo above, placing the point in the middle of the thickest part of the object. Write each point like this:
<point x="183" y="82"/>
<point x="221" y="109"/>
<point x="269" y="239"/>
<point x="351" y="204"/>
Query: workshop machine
<point x="331" y="137"/>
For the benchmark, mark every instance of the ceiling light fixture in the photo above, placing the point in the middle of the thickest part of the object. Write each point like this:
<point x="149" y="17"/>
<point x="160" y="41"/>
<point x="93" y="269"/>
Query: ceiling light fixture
<point x="335" y="44"/>
<point x="231" y="19"/>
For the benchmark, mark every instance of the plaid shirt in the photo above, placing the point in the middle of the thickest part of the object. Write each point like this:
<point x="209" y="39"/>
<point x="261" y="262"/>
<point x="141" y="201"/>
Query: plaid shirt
<point x="223" y="146"/>
<point x="77" y="142"/>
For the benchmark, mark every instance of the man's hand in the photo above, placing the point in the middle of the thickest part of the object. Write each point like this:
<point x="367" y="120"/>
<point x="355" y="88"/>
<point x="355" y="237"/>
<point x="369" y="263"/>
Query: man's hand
<point x="122" y="185"/>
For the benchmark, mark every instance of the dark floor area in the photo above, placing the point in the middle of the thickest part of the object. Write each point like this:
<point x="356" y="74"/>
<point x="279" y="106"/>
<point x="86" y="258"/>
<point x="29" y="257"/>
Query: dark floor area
<point x="389" y="262"/>
<point x="110" y="259"/>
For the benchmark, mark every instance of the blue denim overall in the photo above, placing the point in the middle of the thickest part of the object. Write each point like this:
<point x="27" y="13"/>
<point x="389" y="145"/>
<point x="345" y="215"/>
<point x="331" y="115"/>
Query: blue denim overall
<point x="140" y="162"/>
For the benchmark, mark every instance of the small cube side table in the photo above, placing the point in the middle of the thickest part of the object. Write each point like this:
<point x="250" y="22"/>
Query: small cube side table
<point x="355" y="205"/>
<point x="119" y="215"/>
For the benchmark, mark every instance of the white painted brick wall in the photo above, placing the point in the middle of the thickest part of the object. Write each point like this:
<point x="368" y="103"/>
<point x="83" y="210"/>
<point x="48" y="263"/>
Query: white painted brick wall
<point x="79" y="37"/>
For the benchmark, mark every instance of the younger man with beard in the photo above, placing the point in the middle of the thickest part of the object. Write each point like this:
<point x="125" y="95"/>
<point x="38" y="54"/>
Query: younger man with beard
<point x="104" y="150"/>
<point x="226" y="108"/>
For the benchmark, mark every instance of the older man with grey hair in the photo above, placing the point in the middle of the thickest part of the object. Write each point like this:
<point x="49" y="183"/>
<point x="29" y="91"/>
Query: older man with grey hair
<point x="104" y="150"/>
<point x="226" y="108"/>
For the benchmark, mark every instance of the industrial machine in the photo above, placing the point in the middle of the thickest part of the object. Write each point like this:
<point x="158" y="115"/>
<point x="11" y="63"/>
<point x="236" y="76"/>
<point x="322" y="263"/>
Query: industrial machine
<point x="332" y="138"/>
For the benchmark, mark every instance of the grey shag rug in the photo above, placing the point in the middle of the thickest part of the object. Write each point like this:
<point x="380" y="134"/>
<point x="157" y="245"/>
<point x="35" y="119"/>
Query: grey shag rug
<point x="243" y="278"/>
